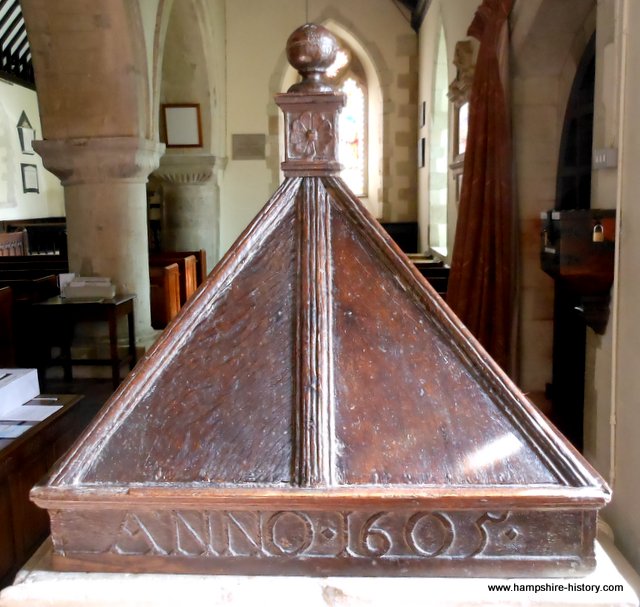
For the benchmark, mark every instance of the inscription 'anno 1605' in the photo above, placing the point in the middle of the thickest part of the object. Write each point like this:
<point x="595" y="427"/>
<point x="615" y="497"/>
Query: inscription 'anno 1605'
<point x="406" y="534"/>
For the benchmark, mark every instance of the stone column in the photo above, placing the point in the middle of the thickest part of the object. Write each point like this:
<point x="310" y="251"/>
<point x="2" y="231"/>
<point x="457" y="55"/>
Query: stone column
<point x="104" y="182"/>
<point x="191" y="204"/>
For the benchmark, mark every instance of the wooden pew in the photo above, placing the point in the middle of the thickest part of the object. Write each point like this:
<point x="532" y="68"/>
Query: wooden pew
<point x="165" y="294"/>
<point x="201" y="261"/>
<point x="201" y="265"/>
<point x="29" y="290"/>
<point x="41" y="264"/>
<point x="7" y="345"/>
<point x="23" y="462"/>
<point x="187" y="267"/>
<point x="26" y="274"/>
<point x="13" y="243"/>
<point x="435" y="271"/>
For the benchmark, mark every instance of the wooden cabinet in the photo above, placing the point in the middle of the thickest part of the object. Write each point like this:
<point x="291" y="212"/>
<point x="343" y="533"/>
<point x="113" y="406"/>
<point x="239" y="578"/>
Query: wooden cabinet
<point x="23" y="462"/>
<point x="577" y="249"/>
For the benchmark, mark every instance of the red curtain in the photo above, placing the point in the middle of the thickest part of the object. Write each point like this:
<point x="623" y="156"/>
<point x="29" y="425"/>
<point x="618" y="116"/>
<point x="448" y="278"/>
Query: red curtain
<point x="482" y="281"/>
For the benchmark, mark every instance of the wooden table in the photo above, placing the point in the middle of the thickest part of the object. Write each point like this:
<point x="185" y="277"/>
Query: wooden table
<point x="23" y="462"/>
<point x="64" y="313"/>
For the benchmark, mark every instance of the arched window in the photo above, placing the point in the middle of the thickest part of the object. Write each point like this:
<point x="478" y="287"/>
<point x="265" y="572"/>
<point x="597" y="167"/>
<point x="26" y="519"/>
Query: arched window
<point x="438" y="153"/>
<point x="349" y="77"/>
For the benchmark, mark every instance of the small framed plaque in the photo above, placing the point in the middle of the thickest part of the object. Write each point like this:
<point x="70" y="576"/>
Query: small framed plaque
<point x="249" y="146"/>
<point x="29" y="178"/>
<point x="182" y="125"/>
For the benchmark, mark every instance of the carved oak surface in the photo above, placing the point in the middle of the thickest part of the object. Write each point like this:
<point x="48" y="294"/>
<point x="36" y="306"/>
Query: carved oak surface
<point x="289" y="350"/>
<point x="317" y="409"/>
<point x="400" y="540"/>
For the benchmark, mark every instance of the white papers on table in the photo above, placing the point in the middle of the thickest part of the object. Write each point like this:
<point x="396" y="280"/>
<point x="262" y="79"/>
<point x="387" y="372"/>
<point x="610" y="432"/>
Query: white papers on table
<point x="17" y="386"/>
<point x="29" y="413"/>
<point x="13" y="430"/>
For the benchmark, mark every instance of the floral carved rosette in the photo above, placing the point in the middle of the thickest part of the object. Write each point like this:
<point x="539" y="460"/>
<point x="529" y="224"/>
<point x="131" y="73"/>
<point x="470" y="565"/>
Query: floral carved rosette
<point x="311" y="137"/>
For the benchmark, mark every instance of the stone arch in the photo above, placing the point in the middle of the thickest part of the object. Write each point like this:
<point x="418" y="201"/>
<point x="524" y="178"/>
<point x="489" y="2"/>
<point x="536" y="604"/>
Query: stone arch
<point x="163" y="15"/>
<point x="91" y="67"/>
<point x="548" y="39"/>
<point x="189" y="68"/>
<point x="190" y="64"/>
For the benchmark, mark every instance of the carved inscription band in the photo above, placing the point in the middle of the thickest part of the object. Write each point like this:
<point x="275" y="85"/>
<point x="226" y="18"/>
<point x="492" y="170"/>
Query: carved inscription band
<point x="406" y="534"/>
<point x="292" y="533"/>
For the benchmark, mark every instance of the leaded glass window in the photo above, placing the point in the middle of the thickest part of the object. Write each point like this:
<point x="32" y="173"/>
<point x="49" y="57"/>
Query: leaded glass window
<point x="349" y="77"/>
<point x="352" y="152"/>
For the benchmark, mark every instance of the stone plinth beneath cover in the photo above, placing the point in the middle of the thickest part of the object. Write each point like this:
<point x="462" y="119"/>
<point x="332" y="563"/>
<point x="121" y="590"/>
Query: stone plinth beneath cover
<point x="37" y="584"/>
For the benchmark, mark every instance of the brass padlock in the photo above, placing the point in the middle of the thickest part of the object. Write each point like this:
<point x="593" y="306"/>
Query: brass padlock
<point x="598" y="233"/>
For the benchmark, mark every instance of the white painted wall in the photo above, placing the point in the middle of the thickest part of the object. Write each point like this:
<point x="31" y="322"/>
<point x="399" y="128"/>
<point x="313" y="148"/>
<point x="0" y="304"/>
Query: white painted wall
<point x="598" y="381"/>
<point x="14" y="203"/>
<point x="548" y="40"/>
<point x="623" y="513"/>
<point x="454" y="18"/>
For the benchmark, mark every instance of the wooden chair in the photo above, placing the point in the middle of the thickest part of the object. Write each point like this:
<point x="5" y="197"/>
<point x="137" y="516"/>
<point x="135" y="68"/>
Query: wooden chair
<point x="165" y="294"/>
<point x="44" y="235"/>
<point x="13" y="243"/>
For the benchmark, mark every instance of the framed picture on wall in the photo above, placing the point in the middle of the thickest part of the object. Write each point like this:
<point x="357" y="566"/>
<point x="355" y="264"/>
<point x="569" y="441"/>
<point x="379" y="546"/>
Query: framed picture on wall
<point x="182" y="125"/>
<point x="29" y="178"/>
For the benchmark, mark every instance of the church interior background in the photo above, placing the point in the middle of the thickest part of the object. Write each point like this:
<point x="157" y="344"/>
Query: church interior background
<point x="108" y="74"/>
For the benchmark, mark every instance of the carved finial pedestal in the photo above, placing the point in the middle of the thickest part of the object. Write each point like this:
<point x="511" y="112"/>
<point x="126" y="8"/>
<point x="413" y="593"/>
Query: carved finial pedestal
<point x="311" y="107"/>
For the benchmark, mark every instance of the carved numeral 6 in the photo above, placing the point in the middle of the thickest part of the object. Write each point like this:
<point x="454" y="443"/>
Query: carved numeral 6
<point x="374" y="541"/>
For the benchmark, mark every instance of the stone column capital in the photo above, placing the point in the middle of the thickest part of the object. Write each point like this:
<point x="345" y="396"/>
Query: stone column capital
<point x="186" y="169"/>
<point x="96" y="160"/>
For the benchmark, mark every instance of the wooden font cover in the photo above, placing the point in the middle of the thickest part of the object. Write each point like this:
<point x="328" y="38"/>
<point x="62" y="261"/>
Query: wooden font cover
<point x="317" y="409"/>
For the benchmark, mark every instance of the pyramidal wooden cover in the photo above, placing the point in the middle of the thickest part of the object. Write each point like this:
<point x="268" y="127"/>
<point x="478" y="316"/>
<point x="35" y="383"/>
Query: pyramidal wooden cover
<point x="317" y="409"/>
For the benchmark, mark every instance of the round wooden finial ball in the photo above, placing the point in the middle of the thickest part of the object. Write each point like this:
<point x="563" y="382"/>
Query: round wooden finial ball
<point x="311" y="49"/>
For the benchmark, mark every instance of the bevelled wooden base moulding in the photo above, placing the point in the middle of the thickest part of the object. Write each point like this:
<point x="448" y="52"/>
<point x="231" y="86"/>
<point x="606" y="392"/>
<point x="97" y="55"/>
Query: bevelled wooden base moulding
<point x="395" y="541"/>
<point x="317" y="409"/>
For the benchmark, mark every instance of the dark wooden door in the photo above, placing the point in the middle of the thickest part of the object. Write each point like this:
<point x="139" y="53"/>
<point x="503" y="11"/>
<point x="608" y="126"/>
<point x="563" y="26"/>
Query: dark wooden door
<point x="573" y="191"/>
